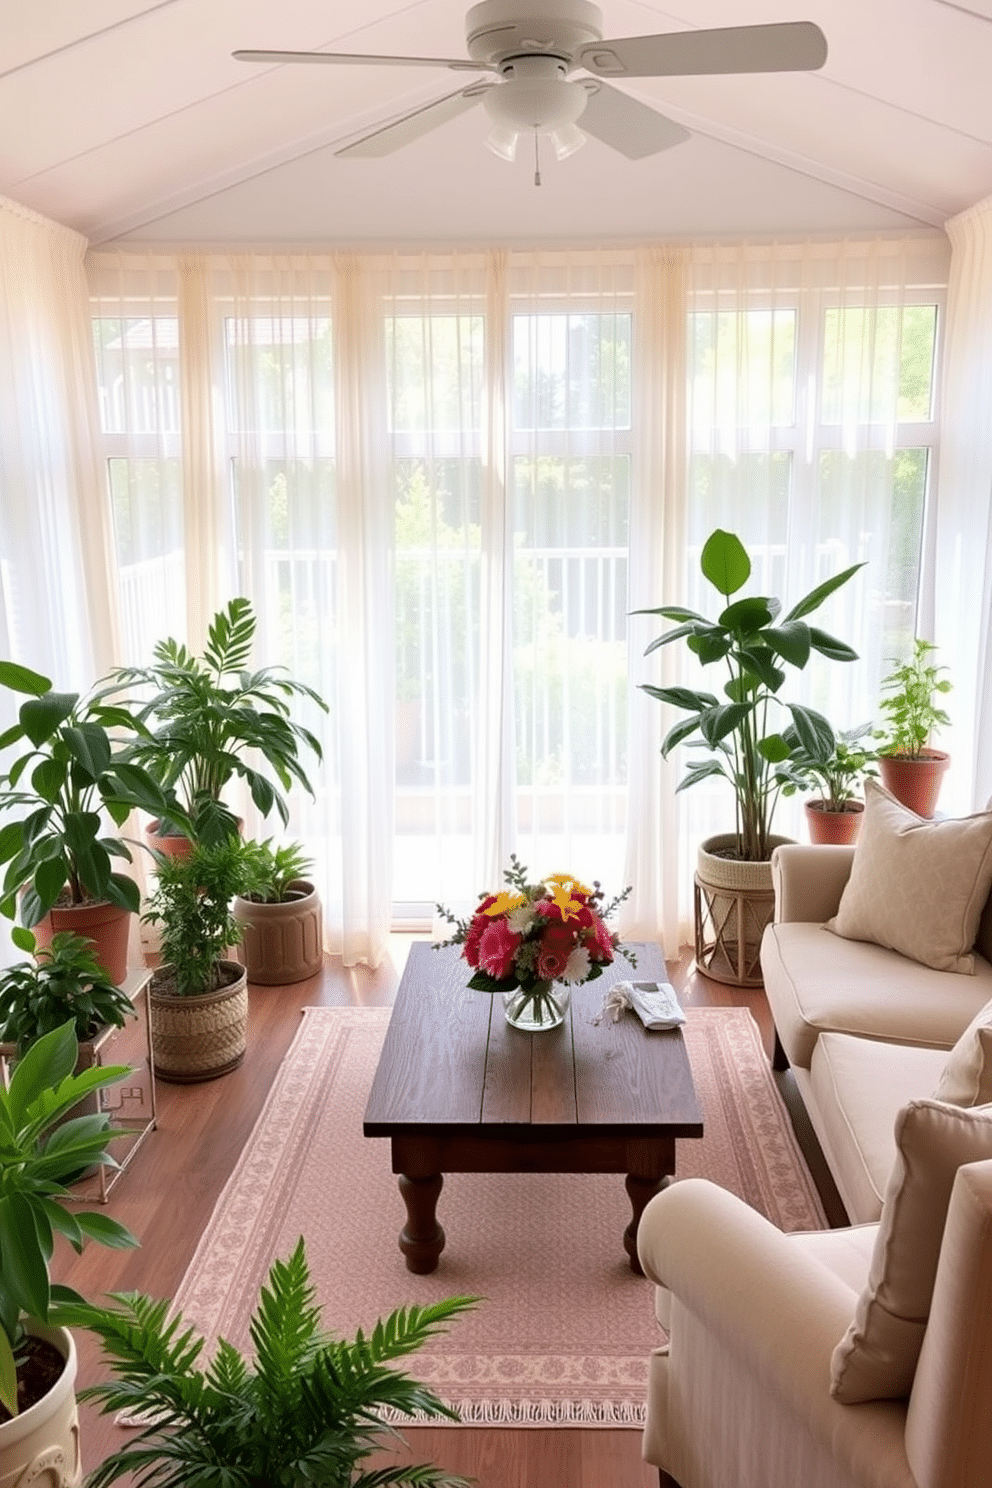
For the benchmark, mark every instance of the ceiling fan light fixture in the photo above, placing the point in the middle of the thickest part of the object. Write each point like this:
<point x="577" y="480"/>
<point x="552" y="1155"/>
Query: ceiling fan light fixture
<point x="566" y="141"/>
<point x="543" y="104"/>
<point x="502" y="140"/>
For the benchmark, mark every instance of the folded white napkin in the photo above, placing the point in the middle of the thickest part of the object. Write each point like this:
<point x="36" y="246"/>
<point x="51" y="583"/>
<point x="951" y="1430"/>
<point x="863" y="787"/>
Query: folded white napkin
<point x="655" y="1003"/>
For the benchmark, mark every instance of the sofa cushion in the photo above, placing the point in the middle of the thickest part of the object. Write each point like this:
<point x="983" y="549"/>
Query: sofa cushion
<point x="876" y="1359"/>
<point x="814" y="981"/>
<point x="917" y="886"/>
<point x="967" y="1076"/>
<point x="859" y="1086"/>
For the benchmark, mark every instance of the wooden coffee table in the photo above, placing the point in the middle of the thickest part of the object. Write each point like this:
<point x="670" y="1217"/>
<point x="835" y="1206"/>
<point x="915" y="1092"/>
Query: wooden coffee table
<point x="457" y="1090"/>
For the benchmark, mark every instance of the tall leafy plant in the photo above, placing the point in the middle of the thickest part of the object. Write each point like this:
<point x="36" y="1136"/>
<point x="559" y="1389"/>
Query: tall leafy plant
<point x="306" y="1412"/>
<point x="744" y="731"/>
<point x="209" y="717"/>
<point x="73" y="780"/>
<point x="912" y="705"/>
<point x="192" y="904"/>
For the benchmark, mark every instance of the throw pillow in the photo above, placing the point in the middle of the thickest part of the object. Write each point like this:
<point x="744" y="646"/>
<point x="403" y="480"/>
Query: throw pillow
<point x="876" y="1359"/>
<point x="917" y="886"/>
<point x="967" y="1076"/>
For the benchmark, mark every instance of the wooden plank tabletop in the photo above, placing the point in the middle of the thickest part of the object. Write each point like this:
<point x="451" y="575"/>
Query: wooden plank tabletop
<point x="450" y="1061"/>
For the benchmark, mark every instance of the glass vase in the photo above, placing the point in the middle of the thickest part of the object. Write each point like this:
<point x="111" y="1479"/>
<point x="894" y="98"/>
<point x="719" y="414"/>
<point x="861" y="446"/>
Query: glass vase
<point x="535" y="1008"/>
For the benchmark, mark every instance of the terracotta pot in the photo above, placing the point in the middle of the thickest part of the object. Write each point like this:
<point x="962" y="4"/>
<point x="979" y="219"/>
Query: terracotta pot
<point x="199" y="1038"/>
<point x="107" y="925"/>
<point x="915" y="782"/>
<point x="169" y="844"/>
<point x="282" y="943"/>
<point x="734" y="902"/>
<point x="41" y="1445"/>
<point x="837" y="828"/>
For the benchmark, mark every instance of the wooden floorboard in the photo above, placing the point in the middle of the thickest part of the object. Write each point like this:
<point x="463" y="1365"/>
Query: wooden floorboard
<point x="168" y="1193"/>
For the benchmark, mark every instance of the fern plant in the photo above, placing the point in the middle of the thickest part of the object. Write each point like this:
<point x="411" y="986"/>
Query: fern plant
<point x="208" y="717"/>
<point x="307" y="1411"/>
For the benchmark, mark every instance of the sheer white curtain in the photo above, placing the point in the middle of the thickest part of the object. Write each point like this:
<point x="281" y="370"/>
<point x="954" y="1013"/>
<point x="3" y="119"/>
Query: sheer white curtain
<point x="811" y="426"/>
<point x="963" y="569"/>
<point x="55" y="549"/>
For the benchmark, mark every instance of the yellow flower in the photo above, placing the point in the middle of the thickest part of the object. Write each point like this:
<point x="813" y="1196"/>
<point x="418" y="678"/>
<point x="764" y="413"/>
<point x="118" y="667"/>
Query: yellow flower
<point x="561" y="897"/>
<point x="504" y="902"/>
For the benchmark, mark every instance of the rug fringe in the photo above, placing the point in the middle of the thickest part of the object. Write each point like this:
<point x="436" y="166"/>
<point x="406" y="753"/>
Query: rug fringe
<point x="586" y="1413"/>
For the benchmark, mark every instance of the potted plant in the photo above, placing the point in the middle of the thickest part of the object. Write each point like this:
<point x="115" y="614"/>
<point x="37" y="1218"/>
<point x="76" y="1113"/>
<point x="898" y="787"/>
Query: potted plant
<point x="304" y="1409"/>
<point x="282" y="937"/>
<point x="208" y="718"/>
<point x="62" y="982"/>
<point x="744" y="737"/>
<point x="40" y="1152"/>
<point x="911" y="769"/>
<point x="198" y="997"/>
<point x="836" y="771"/>
<point x="57" y="794"/>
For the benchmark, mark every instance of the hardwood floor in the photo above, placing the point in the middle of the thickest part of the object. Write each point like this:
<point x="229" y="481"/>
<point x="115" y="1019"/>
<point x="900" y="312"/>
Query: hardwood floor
<point x="168" y="1193"/>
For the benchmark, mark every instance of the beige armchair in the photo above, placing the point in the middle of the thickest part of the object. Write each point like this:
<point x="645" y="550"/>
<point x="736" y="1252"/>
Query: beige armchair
<point x="741" y="1397"/>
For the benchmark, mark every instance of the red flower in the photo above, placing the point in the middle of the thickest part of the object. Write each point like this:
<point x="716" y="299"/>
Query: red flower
<point x="600" y="943"/>
<point x="479" y="924"/>
<point x="497" y="948"/>
<point x="556" y="946"/>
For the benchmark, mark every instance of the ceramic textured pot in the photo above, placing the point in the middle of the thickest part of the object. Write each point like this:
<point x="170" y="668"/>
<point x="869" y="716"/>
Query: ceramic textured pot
<point x="41" y="1445"/>
<point x="915" y="782"/>
<point x="169" y="844"/>
<point x="284" y="942"/>
<point x="538" y="1008"/>
<point x="107" y="925"/>
<point x="833" y="828"/>
<point x="199" y="1038"/>
<point x="734" y="901"/>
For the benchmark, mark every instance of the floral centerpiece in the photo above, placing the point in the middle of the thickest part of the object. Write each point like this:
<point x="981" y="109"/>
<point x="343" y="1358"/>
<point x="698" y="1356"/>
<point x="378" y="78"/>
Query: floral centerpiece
<point x="530" y="936"/>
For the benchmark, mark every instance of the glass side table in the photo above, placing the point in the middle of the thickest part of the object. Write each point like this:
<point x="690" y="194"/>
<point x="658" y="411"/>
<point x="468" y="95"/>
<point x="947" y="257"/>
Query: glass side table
<point x="129" y="1105"/>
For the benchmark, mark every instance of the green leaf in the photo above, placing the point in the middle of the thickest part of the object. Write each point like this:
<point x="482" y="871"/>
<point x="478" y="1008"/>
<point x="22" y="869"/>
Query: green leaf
<point x="773" y="748"/>
<point x="106" y="1231"/>
<point x="724" y="562"/>
<point x="716" y="723"/>
<point x="749" y="615"/>
<point x="680" y="731"/>
<point x="8" y="1371"/>
<point x="43" y="716"/>
<point x="681" y="697"/>
<point x="828" y="646"/>
<point x="791" y="640"/>
<point x="814" y="599"/>
<point x="760" y="662"/>
<point x="22" y="679"/>
<point x="815" y="734"/>
<point x="702" y="770"/>
<point x="710" y="645"/>
<point x="24" y="1251"/>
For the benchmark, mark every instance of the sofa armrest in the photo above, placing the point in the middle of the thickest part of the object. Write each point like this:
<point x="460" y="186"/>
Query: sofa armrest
<point x="749" y="1283"/>
<point x="809" y="880"/>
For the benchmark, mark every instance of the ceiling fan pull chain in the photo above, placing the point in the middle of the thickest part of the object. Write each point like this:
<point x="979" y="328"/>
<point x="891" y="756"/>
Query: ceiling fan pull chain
<point x="537" y="161"/>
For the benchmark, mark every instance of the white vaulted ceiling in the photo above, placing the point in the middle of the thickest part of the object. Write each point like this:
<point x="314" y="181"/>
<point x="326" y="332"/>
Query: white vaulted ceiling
<point x="130" y="121"/>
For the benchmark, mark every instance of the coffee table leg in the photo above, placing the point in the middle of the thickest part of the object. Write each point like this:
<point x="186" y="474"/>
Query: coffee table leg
<point x="421" y="1238"/>
<point x="639" y="1191"/>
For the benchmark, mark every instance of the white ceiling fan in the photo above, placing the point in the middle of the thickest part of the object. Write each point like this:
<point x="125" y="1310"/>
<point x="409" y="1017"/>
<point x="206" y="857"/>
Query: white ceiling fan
<point x="532" y="89"/>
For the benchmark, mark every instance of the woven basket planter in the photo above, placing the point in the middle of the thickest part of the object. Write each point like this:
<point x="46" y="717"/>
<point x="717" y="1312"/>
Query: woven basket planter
<point x="284" y="942"/>
<point x="734" y="901"/>
<point x="198" y="1038"/>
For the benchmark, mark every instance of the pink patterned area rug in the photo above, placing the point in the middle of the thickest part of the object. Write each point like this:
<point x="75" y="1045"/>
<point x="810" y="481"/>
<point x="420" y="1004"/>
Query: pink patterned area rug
<point x="564" y="1333"/>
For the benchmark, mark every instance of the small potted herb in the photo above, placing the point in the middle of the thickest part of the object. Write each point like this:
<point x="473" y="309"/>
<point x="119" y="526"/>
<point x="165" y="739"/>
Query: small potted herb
<point x="911" y="768"/>
<point x="835" y="770"/>
<point x="198" y="994"/>
<point x="62" y="982"/>
<point x="282" y="935"/>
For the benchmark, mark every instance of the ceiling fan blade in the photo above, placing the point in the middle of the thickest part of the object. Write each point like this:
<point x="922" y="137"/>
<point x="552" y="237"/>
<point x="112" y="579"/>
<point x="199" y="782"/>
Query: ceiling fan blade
<point x="787" y="46"/>
<point x="386" y="138"/>
<point x="461" y="64"/>
<point x="627" y="125"/>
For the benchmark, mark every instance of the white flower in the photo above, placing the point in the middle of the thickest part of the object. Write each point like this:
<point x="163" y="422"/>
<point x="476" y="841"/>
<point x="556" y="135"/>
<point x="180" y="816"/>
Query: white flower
<point x="577" y="966"/>
<point x="520" y="920"/>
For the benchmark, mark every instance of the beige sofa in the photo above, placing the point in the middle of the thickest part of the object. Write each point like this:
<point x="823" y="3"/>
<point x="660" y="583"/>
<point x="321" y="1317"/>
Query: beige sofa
<point x="864" y="1028"/>
<point x="741" y="1396"/>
